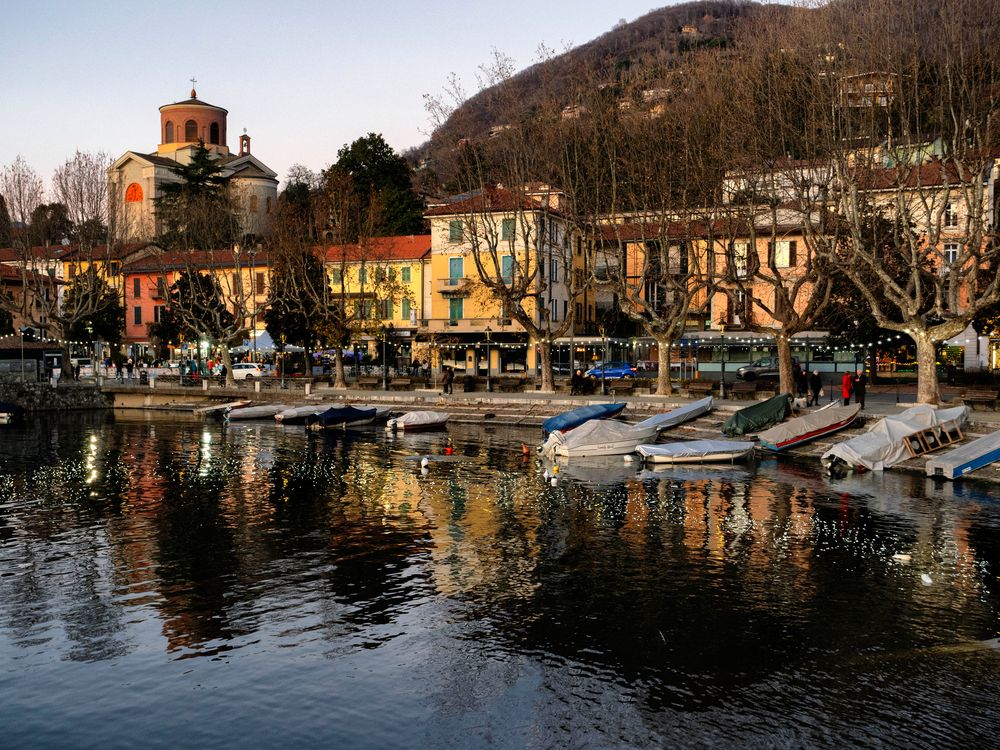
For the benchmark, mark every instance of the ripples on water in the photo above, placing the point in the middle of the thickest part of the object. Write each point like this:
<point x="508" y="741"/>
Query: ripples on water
<point x="171" y="583"/>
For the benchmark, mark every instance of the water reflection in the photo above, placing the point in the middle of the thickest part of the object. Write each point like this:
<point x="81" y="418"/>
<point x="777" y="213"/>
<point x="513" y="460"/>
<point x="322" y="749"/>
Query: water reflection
<point x="648" y="602"/>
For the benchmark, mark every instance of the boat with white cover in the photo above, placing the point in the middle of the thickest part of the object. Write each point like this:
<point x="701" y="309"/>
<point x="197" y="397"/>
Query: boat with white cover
<point x="808" y="427"/>
<point x="885" y="444"/>
<point x="966" y="458"/>
<point x="598" y="438"/>
<point x="414" y="421"/>
<point x="298" y="414"/>
<point x="696" y="451"/>
<point x="263" y="411"/>
<point x="678" y="416"/>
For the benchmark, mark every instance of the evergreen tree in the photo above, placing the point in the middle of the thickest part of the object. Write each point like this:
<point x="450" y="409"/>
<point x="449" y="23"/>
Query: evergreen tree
<point x="381" y="176"/>
<point x="197" y="212"/>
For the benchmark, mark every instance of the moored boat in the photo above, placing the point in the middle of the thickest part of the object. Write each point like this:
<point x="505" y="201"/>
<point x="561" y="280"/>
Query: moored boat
<point x="262" y="411"/>
<point x="298" y="414"/>
<point x="220" y="409"/>
<point x="808" y="427"/>
<point x="885" y="444"/>
<point x="966" y="458"/>
<point x="599" y="437"/>
<point x="696" y="451"/>
<point x="414" y="421"/>
<point x="759" y="416"/>
<point x="10" y="413"/>
<point x="382" y="413"/>
<point x="678" y="416"/>
<point x="340" y="417"/>
<point x="576" y="417"/>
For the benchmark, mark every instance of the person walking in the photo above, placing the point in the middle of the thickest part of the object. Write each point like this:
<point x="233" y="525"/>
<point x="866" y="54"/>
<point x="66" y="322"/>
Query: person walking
<point x="860" y="384"/>
<point x="129" y="367"/>
<point x="447" y="379"/>
<point x="815" y="386"/>
<point x="576" y="383"/>
<point x="118" y="370"/>
<point x="846" y="387"/>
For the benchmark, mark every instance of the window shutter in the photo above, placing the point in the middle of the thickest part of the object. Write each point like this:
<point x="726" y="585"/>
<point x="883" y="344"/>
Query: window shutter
<point x="791" y="253"/>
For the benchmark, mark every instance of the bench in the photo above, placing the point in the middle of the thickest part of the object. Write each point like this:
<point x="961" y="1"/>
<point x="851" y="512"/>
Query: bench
<point x="743" y="389"/>
<point x="511" y="385"/>
<point x="700" y="388"/>
<point x="981" y="397"/>
<point x="620" y="386"/>
<point x="369" y="383"/>
<point x="401" y="384"/>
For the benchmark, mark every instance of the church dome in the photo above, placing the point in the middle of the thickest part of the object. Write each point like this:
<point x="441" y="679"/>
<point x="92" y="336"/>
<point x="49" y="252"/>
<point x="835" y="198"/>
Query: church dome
<point x="191" y="121"/>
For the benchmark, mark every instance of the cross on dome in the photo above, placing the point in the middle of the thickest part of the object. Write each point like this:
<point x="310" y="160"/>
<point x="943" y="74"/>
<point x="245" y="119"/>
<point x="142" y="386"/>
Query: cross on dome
<point x="194" y="94"/>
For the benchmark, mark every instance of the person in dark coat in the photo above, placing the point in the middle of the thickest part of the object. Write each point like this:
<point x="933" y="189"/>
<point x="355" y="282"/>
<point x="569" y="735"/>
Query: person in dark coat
<point x="576" y="383"/>
<point x="447" y="379"/>
<point x="860" y="383"/>
<point x="815" y="386"/>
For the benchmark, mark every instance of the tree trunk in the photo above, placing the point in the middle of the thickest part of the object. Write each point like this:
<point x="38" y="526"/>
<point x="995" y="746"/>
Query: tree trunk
<point x="927" y="378"/>
<point x="227" y="362"/>
<point x="339" y="380"/>
<point x="786" y="381"/>
<point x="664" y="382"/>
<point x="545" y="352"/>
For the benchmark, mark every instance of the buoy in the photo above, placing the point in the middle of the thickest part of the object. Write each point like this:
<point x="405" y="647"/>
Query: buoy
<point x="448" y="450"/>
<point x="424" y="461"/>
<point x="555" y="469"/>
<point x="925" y="579"/>
<point x="525" y="450"/>
<point x="554" y="482"/>
<point x="900" y="557"/>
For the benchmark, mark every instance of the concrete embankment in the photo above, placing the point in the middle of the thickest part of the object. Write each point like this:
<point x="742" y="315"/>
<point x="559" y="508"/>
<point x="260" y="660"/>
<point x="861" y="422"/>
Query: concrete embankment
<point x="67" y="396"/>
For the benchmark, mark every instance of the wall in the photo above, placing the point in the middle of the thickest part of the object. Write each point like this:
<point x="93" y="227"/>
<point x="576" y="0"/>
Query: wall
<point x="43" y="397"/>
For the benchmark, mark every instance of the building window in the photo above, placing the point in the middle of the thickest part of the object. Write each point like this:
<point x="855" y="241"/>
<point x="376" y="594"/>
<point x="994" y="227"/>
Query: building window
<point x="213" y="133"/>
<point x="553" y="270"/>
<point x="579" y="311"/>
<point x="254" y="204"/>
<point x="387" y="309"/>
<point x="507" y="268"/>
<point x="456" y="231"/>
<point x="405" y="309"/>
<point x="133" y="193"/>
<point x="161" y="288"/>
<point x="137" y="288"/>
<point x="260" y="281"/>
<point x="363" y="275"/>
<point x="951" y="215"/>
<point x="168" y="135"/>
<point x="455" y="310"/>
<point x="379" y="275"/>
<point x="72" y="272"/>
<point x="190" y="130"/>
<point x="137" y="315"/>
<point x="741" y="253"/>
<point x="507" y="229"/>
<point x="336" y="276"/>
<point x="269" y="204"/>
<point x="157" y="313"/>
<point x="783" y="253"/>
<point x="950" y="253"/>
<point x="405" y="273"/>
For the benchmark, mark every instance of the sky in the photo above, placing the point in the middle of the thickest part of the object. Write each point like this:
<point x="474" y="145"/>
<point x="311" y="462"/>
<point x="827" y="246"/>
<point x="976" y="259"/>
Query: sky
<point x="304" y="78"/>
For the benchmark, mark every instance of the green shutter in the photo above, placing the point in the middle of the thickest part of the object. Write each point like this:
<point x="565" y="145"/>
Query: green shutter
<point x="404" y="313"/>
<point x="455" y="231"/>
<point x="405" y="275"/>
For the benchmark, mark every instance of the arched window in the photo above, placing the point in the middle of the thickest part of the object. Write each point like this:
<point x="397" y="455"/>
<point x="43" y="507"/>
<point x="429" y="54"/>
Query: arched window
<point x="213" y="133"/>
<point x="168" y="136"/>
<point x="190" y="130"/>
<point x="253" y="204"/>
<point x="133" y="193"/>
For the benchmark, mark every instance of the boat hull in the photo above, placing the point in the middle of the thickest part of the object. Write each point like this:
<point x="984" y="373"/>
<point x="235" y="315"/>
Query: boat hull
<point x="805" y="429"/>
<point x="696" y="452"/>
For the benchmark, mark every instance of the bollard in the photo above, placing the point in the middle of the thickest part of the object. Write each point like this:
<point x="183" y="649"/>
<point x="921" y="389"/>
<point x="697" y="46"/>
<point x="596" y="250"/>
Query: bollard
<point x="308" y="388"/>
<point x="204" y="384"/>
<point x="152" y="383"/>
<point x="256" y="386"/>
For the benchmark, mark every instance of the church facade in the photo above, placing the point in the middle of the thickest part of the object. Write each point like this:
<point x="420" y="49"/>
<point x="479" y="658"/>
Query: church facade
<point x="136" y="178"/>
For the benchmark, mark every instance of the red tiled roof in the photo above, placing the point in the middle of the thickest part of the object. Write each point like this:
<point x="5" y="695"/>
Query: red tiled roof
<point x="403" y="247"/>
<point x="196" y="259"/>
<point x="491" y="200"/>
<point x="931" y="174"/>
<point x="12" y="275"/>
<point x="46" y="252"/>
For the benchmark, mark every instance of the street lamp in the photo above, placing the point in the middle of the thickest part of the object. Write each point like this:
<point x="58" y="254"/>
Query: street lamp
<point x="386" y="333"/>
<point x="722" y="382"/>
<point x="284" y="362"/>
<point x="604" y="362"/>
<point x="489" y="362"/>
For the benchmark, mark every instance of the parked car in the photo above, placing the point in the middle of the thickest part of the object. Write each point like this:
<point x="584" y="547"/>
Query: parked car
<point x="247" y="371"/>
<point x="765" y="367"/>
<point x="612" y="370"/>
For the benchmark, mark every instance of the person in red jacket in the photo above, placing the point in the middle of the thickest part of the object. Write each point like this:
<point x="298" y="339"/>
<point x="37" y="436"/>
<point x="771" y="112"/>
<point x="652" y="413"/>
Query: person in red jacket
<point x="846" y="387"/>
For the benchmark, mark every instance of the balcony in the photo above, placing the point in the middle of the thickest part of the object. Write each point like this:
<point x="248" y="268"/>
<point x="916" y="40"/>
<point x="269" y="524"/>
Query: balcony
<point x="453" y="287"/>
<point x="469" y="325"/>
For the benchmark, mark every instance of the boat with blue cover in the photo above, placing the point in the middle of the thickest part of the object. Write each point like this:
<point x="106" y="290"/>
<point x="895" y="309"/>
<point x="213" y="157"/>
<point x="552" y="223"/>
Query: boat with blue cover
<point x="576" y="417"/>
<point x="340" y="416"/>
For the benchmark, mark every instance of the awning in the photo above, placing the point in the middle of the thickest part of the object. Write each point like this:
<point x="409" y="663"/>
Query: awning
<point x="264" y="344"/>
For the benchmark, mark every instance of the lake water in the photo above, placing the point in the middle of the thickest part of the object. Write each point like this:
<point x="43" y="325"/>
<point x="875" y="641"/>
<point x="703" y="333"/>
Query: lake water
<point x="171" y="583"/>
